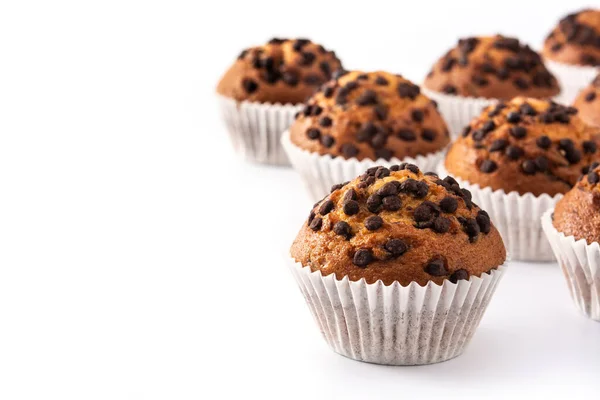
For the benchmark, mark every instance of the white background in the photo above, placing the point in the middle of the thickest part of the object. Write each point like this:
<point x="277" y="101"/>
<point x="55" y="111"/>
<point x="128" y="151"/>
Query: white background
<point x="139" y="259"/>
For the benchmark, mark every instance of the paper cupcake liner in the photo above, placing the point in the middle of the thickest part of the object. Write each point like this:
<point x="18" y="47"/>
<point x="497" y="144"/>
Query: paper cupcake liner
<point x="396" y="325"/>
<point x="255" y="128"/>
<point x="517" y="218"/>
<point x="319" y="173"/>
<point x="572" y="78"/>
<point x="458" y="111"/>
<point x="580" y="263"/>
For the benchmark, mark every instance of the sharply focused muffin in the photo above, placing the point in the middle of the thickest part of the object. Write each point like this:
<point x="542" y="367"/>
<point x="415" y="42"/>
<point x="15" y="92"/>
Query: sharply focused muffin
<point x="399" y="224"/>
<point x="494" y="67"/>
<point x="369" y="116"/>
<point x="524" y="145"/>
<point x="281" y="71"/>
<point x="588" y="103"/>
<point x="575" y="40"/>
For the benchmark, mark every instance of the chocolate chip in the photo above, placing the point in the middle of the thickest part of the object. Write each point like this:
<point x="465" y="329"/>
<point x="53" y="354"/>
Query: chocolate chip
<point x="327" y="140"/>
<point x="362" y="257"/>
<point x="471" y="227"/>
<point x="373" y="203"/>
<point x="502" y="73"/>
<point x="428" y="135"/>
<point x="313" y="133"/>
<point x="349" y="195"/>
<point x="488" y="126"/>
<point x="382" y="172"/>
<point x="528" y="167"/>
<point x="514" y="152"/>
<point x="527" y="109"/>
<point x="325" y="121"/>
<point x="291" y="78"/>
<point x="316" y="224"/>
<point x="466" y="131"/>
<point x="441" y="225"/>
<point x="326" y="207"/>
<point x="448" y="205"/>
<point x="325" y="68"/>
<point x="351" y="207"/>
<point x="521" y="83"/>
<point x="349" y="150"/>
<point x="328" y="92"/>
<point x="436" y="267"/>
<point x="250" y="86"/>
<point x="483" y="220"/>
<point x="449" y="89"/>
<point x="342" y="228"/>
<point x="336" y="187"/>
<point x="307" y="58"/>
<point x="448" y="63"/>
<point x="379" y="140"/>
<point x="380" y="80"/>
<point x="412" y="168"/>
<point x="541" y="163"/>
<point x="589" y="97"/>
<point x="368" y="97"/>
<point x="593" y="177"/>
<point x="388" y="189"/>
<point x="386" y="154"/>
<point x="418" y="189"/>
<point x="589" y="146"/>
<point x="373" y="222"/>
<point x="518" y="132"/>
<point x="410" y="90"/>
<point x="424" y="212"/>
<point x="513" y="117"/>
<point x="392" y="203"/>
<point x="366" y="131"/>
<point x="488" y="166"/>
<point x="299" y="44"/>
<point x="311" y="216"/>
<point x="416" y="115"/>
<point x="396" y="247"/>
<point x="407" y="135"/>
<point x="458" y="275"/>
<point x="543" y="142"/>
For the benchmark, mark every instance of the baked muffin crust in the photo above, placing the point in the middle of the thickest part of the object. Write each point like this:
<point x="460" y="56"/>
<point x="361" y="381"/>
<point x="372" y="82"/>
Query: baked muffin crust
<point x="524" y="145"/>
<point x="496" y="67"/>
<point x="575" y="40"/>
<point x="281" y="71"/>
<point x="399" y="224"/>
<point x="588" y="103"/>
<point x="370" y="115"/>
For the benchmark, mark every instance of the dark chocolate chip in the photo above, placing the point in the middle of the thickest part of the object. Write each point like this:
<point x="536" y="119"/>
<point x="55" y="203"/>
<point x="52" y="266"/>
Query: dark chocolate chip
<point x="381" y="112"/>
<point x="326" y="207"/>
<point x="466" y="131"/>
<point x="589" y="146"/>
<point x="483" y="220"/>
<point x="325" y="121"/>
<point x="327" y="140"/>
<point x="396" y="247"/>
<point x="382" y="172"/>
<point x="380" y="80"/>
<point x="593" y="177"/>
<point x="410" y="90"/>
<point x="513" y="117"/>
<point x="498" y="145"/>
<point x="417" y="115"/>
<point x="543" y="142"/>
<point x="362" y="257"/>
<point x="521" y="83"/>
<point x="448" y="204"/>
<point x="349" y="150"/>
<point x="325" y="68"/>
<point x="471" y="227"/>
<point x="449" y="89"/>
<point x="307" y="58"/>
<point x="313" y="133"/>
<point x="351" y="207"/>
<point x="291" y="78"/>
<point x="424" y="212"/>
<point x="386" y="154"/>
<point x="589" y="97"/>
<point x="373" y="203"/>
<point x="412" y="168"/>
<point x="392" y="203"/>
<point x="458" y="275"/>
<point x="436" y="267"/>
<point x="528" y="167"/>
<point x="367" y="98"/>
<point x="518" y="132"/>
<point x="428" y="135"/>
<point x="514" y="152"/>
<point x="441" y="225"/>
<point x="250" y="86"/>
<point x="541" y="163"/>
<point x="488" y="166"/>
<point x="527" y="109"/>
<point x="379" y="140"/>
<point x="388" y="189"/>
<point x="316" y="224"/>
<point x="373" y="222"/>
<point x="407" y="135"/>
<point x="342" y="228"/>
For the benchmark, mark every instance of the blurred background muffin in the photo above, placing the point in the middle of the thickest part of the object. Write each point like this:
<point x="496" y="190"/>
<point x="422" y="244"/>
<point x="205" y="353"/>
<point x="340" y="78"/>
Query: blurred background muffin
<point x="361" y="119"/>
<point x="397" y="233"/>
<point x="572" y="51"/>
<point x="518" y="158"/>
<point x="263" y="89"/>
<point x="482" y="70"/>
<point x="588" y="103"/>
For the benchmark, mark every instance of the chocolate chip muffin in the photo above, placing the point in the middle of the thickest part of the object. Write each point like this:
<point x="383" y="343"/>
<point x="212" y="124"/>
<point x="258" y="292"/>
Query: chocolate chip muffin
<point x="399" y="225"/>
<point x="281" y="71"/>
<point x="369" y="116"/>
<point x="524" y="145"/>
<point x="575" y="40"/>
<point x="588" y="103"/>
<point x="495" y="67"/>
<point x="577" y="214"/>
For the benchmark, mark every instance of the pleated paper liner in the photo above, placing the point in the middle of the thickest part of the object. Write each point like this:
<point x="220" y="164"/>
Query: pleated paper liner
<point x="572" y="78"/>
<point x="255" y="128"/>
<point x="516" y="216"/>
<point x="580" y="263"/>
<point x="320" y="172"/>
<point x="396" y="325"/>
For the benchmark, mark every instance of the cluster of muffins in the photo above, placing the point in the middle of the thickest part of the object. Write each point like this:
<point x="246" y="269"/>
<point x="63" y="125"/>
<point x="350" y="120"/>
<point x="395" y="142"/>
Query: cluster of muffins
<point x="408" y="238"/>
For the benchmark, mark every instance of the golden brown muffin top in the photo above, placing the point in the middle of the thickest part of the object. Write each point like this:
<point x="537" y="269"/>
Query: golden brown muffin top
<point x="524" y="145"/>
<point x="281" y="71"/>
<point x="495" y="67"/>
<point x="370" y="115"/>
<point x="578" y="212"/>
<point x="575" y="40"/>
<point x="399" y="224"/>
<point x="588" y="103"/>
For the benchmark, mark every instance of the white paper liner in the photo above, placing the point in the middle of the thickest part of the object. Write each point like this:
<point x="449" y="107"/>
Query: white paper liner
<point x="255" y="128"/>
<point x="580" y="263"/>
<point x="572" y="78"/>
<point x="320" y="172"/>
<point x="458" y="111"/>
<point x="516" y="216"/>
<point x="396" y="325"/>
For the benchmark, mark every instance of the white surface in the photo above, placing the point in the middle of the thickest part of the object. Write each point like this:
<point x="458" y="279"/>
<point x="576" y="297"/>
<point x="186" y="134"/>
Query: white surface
<point x="140" y="260"/>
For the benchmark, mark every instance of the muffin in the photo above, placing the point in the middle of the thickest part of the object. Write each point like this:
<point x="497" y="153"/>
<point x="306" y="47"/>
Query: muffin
<point x="479" y="71"/>
<point x="588" y="103"/>
<point x="572" y="51"/>
<point x="573" y="229"/>
<point x="385" y="261"/>
<point x="518" y="158"/>
<point x="265" y="87"/>
<point x="359" y="120"/>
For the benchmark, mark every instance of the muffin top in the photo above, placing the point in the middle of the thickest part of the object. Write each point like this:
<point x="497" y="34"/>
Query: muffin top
<point x="370" y="116"/>
<point x="399" y="224"/>
<point x="524" y="145"/>
<point x="588" y="103"/>
<point x="575" y="40"/>
<point x="281" y="71"/>
<point x="495" y="67"/>
<point x="578" y="212"/>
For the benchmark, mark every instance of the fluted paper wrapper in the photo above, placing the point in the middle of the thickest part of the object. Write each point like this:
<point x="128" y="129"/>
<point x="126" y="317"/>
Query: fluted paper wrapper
<point x="320" y="172"/>
<point x="458" y="111"/>
<point x="572" y="78"/>
<point x="580" y="263"/>
<point x="396" y="325"/>
<point x="255" y="128"/>
<point x="517" y="218"/>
